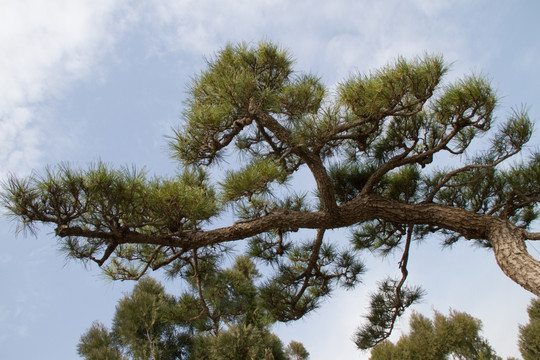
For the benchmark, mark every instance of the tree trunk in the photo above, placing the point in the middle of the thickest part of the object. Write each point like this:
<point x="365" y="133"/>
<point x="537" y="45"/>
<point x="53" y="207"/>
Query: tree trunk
<point x="512" y="255"/>
<point x="508" y="240"/>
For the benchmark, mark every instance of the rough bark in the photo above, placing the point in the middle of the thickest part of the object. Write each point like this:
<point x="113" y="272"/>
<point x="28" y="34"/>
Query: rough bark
<point x="512" y="255"/>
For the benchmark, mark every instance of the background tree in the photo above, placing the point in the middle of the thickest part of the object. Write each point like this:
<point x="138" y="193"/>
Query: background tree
<point x="97" y="343"/>
<point x="219" y="298"/>
<point x="219" y="317"/>
<point x="529" y="334"/>
<point x="239" y="342"/>
<point x="143" y="323"/>
<point x="143" y="328"/>
<point x="371" y="148"/>
<point x="456" y="336"/>
<point x="297" y="351"/>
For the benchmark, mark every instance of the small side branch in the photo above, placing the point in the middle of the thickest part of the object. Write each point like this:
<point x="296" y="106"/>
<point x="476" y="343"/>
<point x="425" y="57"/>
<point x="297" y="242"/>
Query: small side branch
<point x="198" y="282"/>
<point x="453" y="173"/>
<point x="531" y="235"/>
<point x="308" y="273"/>
<point x="388" y="304"/>
<point x="404" y="272"/>
<point x="108" y="252"/>
<point x="399" y="305"/>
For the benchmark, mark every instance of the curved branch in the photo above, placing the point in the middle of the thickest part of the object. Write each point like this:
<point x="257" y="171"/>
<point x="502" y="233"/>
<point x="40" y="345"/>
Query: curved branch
<point x="455" y="172"/>
<point x="403" y="159"/>
<point x="512" y="255"/>
<point x="308" y="273"/>
<point x="399" y="306"/>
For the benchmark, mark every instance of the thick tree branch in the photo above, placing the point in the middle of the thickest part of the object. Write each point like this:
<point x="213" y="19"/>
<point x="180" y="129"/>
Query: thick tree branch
<point x="512" y="255"/>
<point x="363" y="208"/>
<point x="466" y="223"/>
<point x="312" y="160"/>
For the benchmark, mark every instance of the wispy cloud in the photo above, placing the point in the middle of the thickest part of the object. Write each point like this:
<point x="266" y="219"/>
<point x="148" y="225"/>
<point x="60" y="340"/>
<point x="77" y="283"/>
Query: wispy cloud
<point x="334" y="37"/>
<point x="45" y="46"/>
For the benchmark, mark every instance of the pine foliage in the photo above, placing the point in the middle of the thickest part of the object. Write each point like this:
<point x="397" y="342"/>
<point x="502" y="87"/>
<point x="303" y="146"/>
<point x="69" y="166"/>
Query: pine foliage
<point x="221" y="316"/>
<point x="529" y="334"/>
<point x="456" y="336"/>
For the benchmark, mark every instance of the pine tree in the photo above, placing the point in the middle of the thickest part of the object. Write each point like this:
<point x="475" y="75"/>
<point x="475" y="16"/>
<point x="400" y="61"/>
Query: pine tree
<point x="456" y="336"/>
<point x="297" y="351"/>
<point x="97" y="343"/>
<point x="529" y="335"/>
<point x="369" y="147"/>
<point x="143" y="328"/>
<point x="220" y="317"/>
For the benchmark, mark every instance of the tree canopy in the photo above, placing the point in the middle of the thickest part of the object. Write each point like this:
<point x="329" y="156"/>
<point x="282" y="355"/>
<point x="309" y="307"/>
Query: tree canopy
<point x="227" y="322"/>
<point x="456" y="336"/>
<point x="529" y="334"/>
<point x="374" y="148"/>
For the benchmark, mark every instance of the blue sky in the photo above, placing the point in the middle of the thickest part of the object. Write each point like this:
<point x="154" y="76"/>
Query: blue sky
<point x="103" y="79"/>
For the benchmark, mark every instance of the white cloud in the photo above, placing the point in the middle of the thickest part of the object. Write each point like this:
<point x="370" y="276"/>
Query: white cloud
<point x="47" y="45"/>
<point x="44" y="47"/>
<point x="331" y="38"/>
<point x="434" y="7"/>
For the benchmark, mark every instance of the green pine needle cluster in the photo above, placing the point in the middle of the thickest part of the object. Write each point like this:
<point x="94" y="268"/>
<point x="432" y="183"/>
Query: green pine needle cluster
<point x="254" y="179"/>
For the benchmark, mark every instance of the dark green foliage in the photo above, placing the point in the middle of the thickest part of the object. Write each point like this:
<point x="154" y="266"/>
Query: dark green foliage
<point x="529" y="334"/>
<point x="456" y="335"/>
<point x="349" y="179"/>
<point x="380" y="236"/>
<point x="220" y="317"/>
<point x="303" y="278"/>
